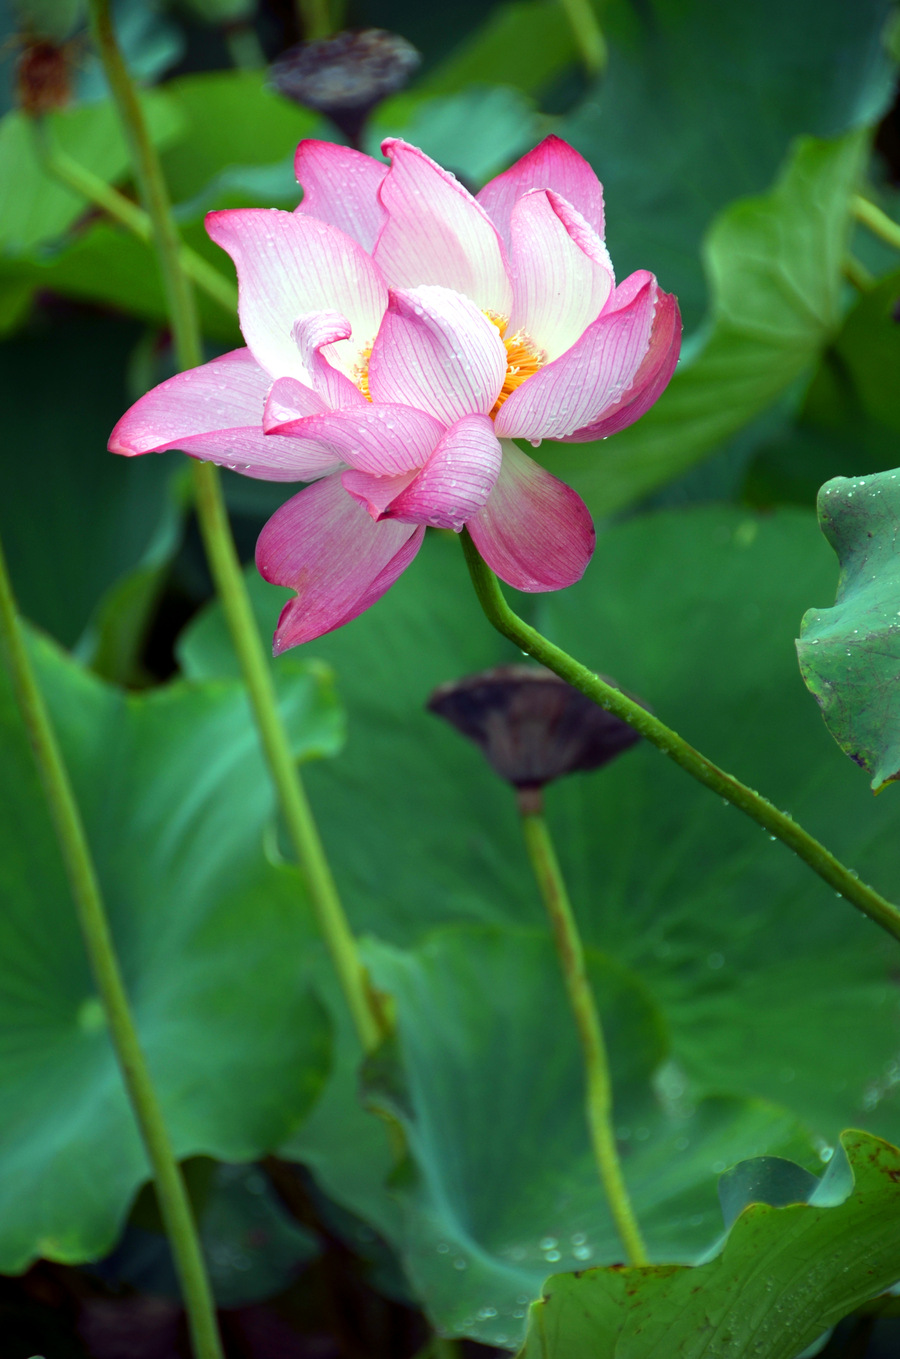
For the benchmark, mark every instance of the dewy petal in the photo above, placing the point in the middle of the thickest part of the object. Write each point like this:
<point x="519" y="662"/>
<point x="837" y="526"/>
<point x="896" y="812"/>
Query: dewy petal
<point x="215" y="413"/>
<point x="651" y="380"/>
<point x="436" y="351"/>
<point x="552" y="165"/>
<point x="381" y="439"/>
<point x="289" y="265"/>
<point x="437" y="233"/>
<point x="325" y="546"/>
<point x="311" y="335"/>
<point x="534" y="531"/>
<point x="581" y="385"/>
<point x="562" y="273"/>
<point x="455" y="482"/>
<point x="340" y="186"/>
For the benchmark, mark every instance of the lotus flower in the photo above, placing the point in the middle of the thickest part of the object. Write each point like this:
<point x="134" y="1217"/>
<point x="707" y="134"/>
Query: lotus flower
<point x="400" y="335"/>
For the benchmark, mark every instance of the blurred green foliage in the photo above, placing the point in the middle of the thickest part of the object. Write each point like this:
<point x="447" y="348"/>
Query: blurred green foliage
<point x="748" y="1010"/>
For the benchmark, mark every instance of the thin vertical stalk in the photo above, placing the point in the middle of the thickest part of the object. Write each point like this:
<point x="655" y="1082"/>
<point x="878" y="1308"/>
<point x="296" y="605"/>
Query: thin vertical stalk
<point x="598" y="1086"/>
<point x="779" y="825"/>
<point x="225" y="564"/>
<point x="170" y="1189"/>
<point x="588" y="35"/>
<point x="878" y="222"/>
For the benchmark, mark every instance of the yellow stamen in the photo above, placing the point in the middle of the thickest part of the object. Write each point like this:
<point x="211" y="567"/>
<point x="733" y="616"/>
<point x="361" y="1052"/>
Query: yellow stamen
<point x="523" y="358"/>
<point x="361" y="371"/>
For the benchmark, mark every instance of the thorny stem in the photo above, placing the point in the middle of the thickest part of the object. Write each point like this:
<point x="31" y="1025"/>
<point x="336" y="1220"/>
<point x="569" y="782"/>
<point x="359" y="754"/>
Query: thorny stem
<point x="598" y="1086"/>
<point x="877" y="221"/>
<point x="70" y="833"/>
<point x="129" y="215"/>
<point x="759" y="809"/>
<point x="225" y="564"/>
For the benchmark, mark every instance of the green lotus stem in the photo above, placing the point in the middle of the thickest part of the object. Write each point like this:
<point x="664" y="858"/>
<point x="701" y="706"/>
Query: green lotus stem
<point x="588" y="35"/>
<point x="598" y="1085"/>
<point x="315" y="19"/>
<point x="171" y="1193"/>
<point x="128" y="214"/>
<point x="244" y="47"/>
<point x="855" y="272"/>
<point x="878" y="222"/>
<point x="367" y="1015"/>
<point x="759" y="809"/>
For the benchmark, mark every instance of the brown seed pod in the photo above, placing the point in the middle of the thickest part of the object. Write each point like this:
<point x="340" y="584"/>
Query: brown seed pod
<point x="532" y="726"/>
<point x="345" y="76"/>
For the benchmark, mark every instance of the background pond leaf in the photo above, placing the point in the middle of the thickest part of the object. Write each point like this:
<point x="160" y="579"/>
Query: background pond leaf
<point x="74" y="518"/>
<point x="214" y="942"/>
<point x="850" y="653"/>
<point x="500" y="1188"/>
<point x="785" y="1275"/>
<point x="41" y="208"/>
<point x="699" y="105"/>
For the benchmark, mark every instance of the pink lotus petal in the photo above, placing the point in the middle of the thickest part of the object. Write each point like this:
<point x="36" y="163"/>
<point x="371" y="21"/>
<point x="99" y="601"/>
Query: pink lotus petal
<point x="325" y="546"/>
<point x="380" y="439"/>
<point x="340" y="186"/>
<point x="289" y="265"/>
<point x="376" y="493"/>
<point x="562" y="273"/>
<point x="455" y="482"/>
<point x="215" y="413"/>
<point x="312" y="334"/>
<point x="651" y="380"/>
<point x="581" y="385"/>
<point x="552" y="165"/>
<point x="534" y="531"/>
<point x="437" y="233"/>
<point x="289" y="401"/>
<point x="438" y="352"/>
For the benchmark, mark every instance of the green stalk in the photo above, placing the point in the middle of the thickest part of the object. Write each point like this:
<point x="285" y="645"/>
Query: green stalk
<point x="315" y="19"/>
<point x="172" y="1196"/>
<point x="759" y="809"/>
<point x="588" y="35"/>
<point x="877" y="221"/>
<point x="855" y="272"/>
<point x="129" y="215"/>
<point x="598" y="1086"/>
<point x="225" y="564"/>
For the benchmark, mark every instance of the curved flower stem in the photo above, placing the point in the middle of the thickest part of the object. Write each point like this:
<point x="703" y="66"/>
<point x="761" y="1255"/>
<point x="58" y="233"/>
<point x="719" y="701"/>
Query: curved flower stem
<point x="128" y="214"/>
<point x="779" y="825"/>
<point x="173" y="1199"/>
<point x="598" y="1086"/>
<point x="588" y="35"/>
<point x="225" y="564"/>
<point x="877" y="221"/>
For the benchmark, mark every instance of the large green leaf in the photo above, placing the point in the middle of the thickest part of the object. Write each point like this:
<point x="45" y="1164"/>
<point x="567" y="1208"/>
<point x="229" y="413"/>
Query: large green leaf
<point x="106" y="264"/>
<point x="770" y="985"/>
<point x="699" y="105"/>
<point x="775" y="269"/>
<point x="476" y="133"/>
<point x="850" y="653"/>
<point x="500" y="1187"/>
<point x="213" y="937"/>
<point x="525" y="43"/>
<point x="232" y="118"/>
<point x="785" y="1275"/>
<point x="74" y="519"/>
<point x="41" y="208"/>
